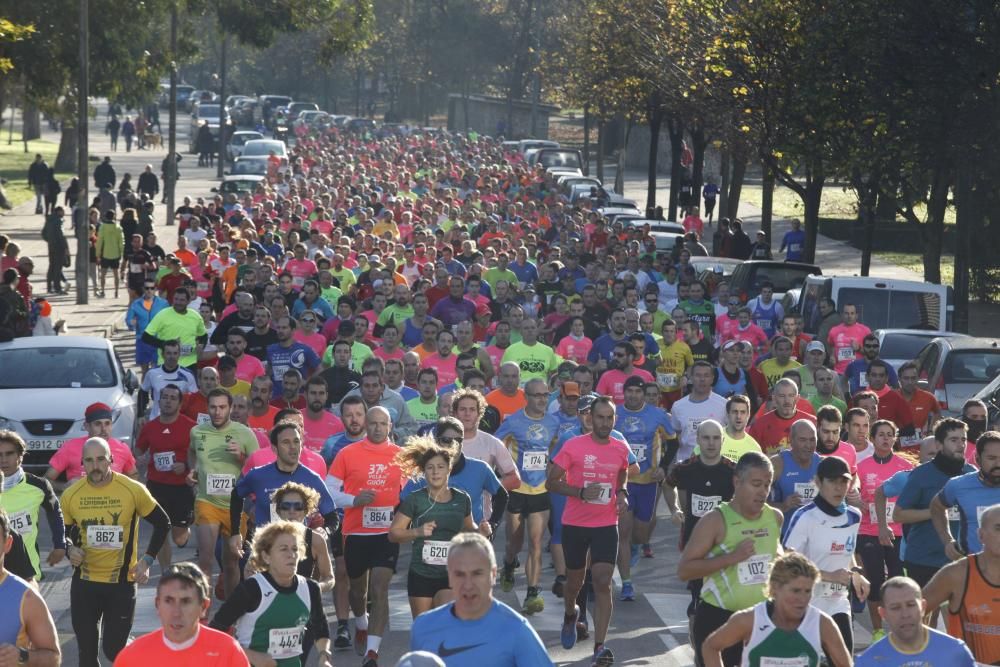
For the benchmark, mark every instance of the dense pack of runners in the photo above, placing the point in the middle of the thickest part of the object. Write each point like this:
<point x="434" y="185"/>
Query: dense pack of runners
<point x="405" y="338"/>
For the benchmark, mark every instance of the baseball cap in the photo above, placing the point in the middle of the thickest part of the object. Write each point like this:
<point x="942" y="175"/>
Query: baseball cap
<point x="585" y="402"/>
<point x="482" y="309"/>
<point x="634" y="381"/>
<point x="571" y="389"/>
<point x="816" y="345"/>
<point x="832" y="467"/>
<point x="97" y="411"/>
<point x="731" y="344"/>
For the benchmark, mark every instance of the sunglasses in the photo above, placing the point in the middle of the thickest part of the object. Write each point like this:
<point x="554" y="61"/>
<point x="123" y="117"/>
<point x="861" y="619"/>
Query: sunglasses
<point x="308" y="320"/>
<point x="149" y="286"/>
<point x="291" y="507"/>
<point x="449" y="440"/>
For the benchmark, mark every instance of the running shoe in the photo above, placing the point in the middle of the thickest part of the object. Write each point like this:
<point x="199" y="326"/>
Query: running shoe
<point x="371" y="659"/>
<point x="507" y="577"/>
<point x="628" y="592"/>
<point x="603" y="657"/>
<point x="877" y="635"/>
<point x="582" y="628"/>
<point x="360" y="641"/>
<point x="647" y="550"/>
<point x="343" y="640"/>
<point x="557" y="587"/>
<point x="635" y="555"/>
<point x="569" y="633"/>
<point x="533" y="604"/>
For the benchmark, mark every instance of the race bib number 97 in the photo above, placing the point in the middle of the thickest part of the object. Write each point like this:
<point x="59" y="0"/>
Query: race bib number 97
<point x="605" y="496"/>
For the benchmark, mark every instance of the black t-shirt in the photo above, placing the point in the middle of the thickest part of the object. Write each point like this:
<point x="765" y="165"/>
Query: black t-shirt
<point x="257" y="343"/>
<point x="703" y="351"/>
<point x="706" y="487"/>
<point x="17" y="561"/>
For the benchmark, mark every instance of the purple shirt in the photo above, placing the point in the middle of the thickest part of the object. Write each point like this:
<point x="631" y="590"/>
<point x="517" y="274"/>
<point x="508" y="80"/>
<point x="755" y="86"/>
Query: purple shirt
<point x="451" y="312"/>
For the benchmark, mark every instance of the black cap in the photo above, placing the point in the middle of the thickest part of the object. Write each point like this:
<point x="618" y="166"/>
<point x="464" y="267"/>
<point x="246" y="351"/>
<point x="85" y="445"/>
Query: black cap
<point x="585" y="402"/>
<point x="832" y="467"/>
<point x="634" y="381"/>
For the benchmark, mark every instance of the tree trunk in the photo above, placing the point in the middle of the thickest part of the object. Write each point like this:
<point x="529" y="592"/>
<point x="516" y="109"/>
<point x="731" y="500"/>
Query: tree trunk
<point x="31" y="123"/>
<point x="967" y="217"/>
<point x="767" y="200"/>
<point x="655" y="123"/>
<point x="675" y="128"/>
<point x="736" y="186"/>
<point x="586" y="139"/>
<point x="620" y="171"/>
<point x="600" y="150"/>
<point x="811" y="200"/>
<point x="699" y="142"/>
<point x="724" y="183"/>
<point x="867" y="207"/>
<point x="66" y="156"/>
<point x="933" y="235"/>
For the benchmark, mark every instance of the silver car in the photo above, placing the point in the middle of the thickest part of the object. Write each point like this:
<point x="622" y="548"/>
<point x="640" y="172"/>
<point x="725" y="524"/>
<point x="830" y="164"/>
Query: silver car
<point x="47" y="384"/>
<point x="955" y="369"/>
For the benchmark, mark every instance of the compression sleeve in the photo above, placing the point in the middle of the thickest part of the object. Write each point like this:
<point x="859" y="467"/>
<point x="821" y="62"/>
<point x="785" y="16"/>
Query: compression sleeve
<point x="53" y="512"/>
<point x="317" y="617"/>
<point x="150" y="339"/>
<point x="331" y="521"/>
<point x="235" y="511"/>
<point x="243" y="600"/>
<point x="500" y="499"/>
<point x="336" y="487"/>
<point x="161" y="526"/>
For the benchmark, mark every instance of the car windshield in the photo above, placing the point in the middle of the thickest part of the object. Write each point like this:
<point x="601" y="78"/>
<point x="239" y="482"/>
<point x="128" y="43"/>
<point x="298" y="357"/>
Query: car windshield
<point x="56" y="368"/>
<point x="240" y="139"/>
<point x="244" y="167"/>
<point x="264" y="148"/>
<point x="560" y="159"/>
<point x="899" y="309"/>
<point x="972" y="366"/>
<point x="208" y="111"/>
<point x="903" y="346"/>
<point x="783" y="278"/>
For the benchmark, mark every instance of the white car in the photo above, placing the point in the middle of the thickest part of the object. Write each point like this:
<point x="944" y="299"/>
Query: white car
<point x="234" y="148"/>
<point x="264" y="147"/>
<point x="47" y="383"/>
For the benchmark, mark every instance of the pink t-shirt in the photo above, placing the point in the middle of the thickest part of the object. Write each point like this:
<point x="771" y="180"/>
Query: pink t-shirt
<point x="846" y="451"/>
<point x="309" y="459"/>
<point x="842" y="342"/>
<point x="574" y="350"/>
<point x="725" y="327"/>
<point x="301" y="270"/>
<point x="381" y="353"/>
<point x="445" y="368"/>
<point x="588" y="462"/>
<point x="970" y="454"/>
<point x="248" y="368"/>
<point x="753" y="334"/>
<point x="316" y="341"/>
<point x="872" y="475"/>
<point x="317" y="431"/>
<point x="612" y="383"/>
<point x="69" y="458"/>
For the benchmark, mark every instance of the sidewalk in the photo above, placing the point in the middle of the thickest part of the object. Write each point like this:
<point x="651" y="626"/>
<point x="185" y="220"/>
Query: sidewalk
<point x="100" y="316"/>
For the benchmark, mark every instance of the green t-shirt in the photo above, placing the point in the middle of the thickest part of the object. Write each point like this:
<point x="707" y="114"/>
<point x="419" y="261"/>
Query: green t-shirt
<point x="424" y="413"/>
<point x="331" y="295"/>
<point x="396" y="314"/>
<point x="359" y="352"/>
<point x="535" y="361"/>
<point x="494" y="275"/>
<point x="449" y="517"/>
<point x="818" y="402"/>
<point x="168" y="324"/>
<point x="743" y="585"/>
<point x="218" y="469"/>
<point x="346" y="278"/>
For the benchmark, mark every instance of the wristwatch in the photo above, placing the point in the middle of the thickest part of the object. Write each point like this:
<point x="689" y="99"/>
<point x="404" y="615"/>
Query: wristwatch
<point x="23" y="655"/>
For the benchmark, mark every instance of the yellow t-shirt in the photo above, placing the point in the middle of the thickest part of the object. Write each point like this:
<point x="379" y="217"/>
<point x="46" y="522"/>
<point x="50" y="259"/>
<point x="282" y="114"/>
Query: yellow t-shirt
<point x="675" y="359"/>
<point x="218" y="470"/>
<point x="108" y="520"/>
<point x="773" y="372"/>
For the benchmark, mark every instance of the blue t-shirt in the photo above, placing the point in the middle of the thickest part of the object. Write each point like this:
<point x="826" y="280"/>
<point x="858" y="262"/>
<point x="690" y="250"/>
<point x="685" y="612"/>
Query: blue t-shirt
<point x="299" y="356"/>
<point x="793" y="242"/>
<point x="972" y="497"/>
<point x="604" y="347"/>
<point x="264" y="480"/>
<point x="525" y="274"/>
<point x="941" y="649"/>
<point x="857" y="375"/>
<point x="530" y="443"/>
<point x="791" y="474"/>
<point x="334" y="444"/>
<point x="320" y="305"/>
<point x="923" y="544"/>
<point x="501" y="638"/>
<point x="566" y="422"/>
<point x="474" y="478"/>
<point x="643" y="429"/>
<point x="892" y="487"/>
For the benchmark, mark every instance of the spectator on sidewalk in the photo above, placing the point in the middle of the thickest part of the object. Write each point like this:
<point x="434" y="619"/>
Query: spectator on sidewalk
<point x="38" y="173"/>
<point x="110" y="247"/>
<point x="128" y="132"/>
<point x="104" y="174"/>
<point x="149" y="184"/>
<point x="53" y="235"/>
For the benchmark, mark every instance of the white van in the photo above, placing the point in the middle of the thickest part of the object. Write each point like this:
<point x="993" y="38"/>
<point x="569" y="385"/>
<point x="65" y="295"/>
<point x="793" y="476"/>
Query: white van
<point x="883" y="303"/>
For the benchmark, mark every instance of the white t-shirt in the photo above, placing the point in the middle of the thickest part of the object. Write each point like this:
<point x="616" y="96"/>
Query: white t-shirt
<point x="687" y="415"/>
<point x="488" y="448"/>
<point x="866" y="452"/>
<point x="830" y="543"/>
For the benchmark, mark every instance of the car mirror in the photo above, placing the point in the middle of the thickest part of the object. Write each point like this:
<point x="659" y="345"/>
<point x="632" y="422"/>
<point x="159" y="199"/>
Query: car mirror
<point x="131" y="381"/>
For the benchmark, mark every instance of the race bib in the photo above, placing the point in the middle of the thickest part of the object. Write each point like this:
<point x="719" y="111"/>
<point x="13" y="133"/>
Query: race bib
<point x="702" y="505"/>
<point x="376" y="517"/>
<point x="639" y="451"/>
<point x="163" y="461"/>
<point x="284" y="643"/>
<point x="890" y="505"/>
<point x="832" y="591"/>
<point x="298" y="281"/>
<point x="605" y="496"/>
<point x="666" y="379"/>
<point x="863" y="380"/>
<point x="953" y="514"/>
<point x="105" y="537"/>
<point x="754" y="570"/>
<point x="203" y="418"/>
<point x="534" y="461"/>
<point x="202" y="286"/>
<point x="801" y="661"/>
<point x="435" y="552"/>
<point x="219" y="485"/>
<point x="806" y="491"/>
<point x="186" y="349"/>
<point x="21" y="523"/>
<point x="136" y="268"/>
<point x="845" y="353"/>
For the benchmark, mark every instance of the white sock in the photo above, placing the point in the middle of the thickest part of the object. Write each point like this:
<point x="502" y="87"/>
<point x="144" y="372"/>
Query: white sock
<point x="374" y="642"/>
<point x="361" y="622"/>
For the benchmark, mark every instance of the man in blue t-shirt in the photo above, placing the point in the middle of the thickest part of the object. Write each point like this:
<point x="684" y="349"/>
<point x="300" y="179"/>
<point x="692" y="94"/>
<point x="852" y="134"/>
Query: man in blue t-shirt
<point x="972" y="493"/>
<point x="288" y="353"/>
<point x="793" y="242"/>
<point x="475" y="629"/>
<point x="909" y="641"/>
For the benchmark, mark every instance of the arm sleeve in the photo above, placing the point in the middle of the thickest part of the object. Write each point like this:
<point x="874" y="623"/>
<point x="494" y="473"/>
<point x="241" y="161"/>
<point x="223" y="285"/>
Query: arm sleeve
<point x="331" y="521"/>
<point x="235" y="510"/>
<point x="17" y="560"/>
<point x="150" y="339"/>
<point x="243" y="600"/>
<point x="500" y="498"/>
<point x="336" y="487"/>
<point x="161" y="526"/>
<point x="317" y="617"/>
<point x="53" y="514"/>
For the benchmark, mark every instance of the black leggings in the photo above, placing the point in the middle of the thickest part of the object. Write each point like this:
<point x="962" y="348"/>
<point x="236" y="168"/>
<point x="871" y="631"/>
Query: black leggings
<point x="879" y="563"/>
<point x="112" y="606"/>
<point x="845" y="623"/>
<point x="707" y="619"/>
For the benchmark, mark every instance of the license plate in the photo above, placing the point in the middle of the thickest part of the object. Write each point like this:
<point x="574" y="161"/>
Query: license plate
<point x="44" y="445"/>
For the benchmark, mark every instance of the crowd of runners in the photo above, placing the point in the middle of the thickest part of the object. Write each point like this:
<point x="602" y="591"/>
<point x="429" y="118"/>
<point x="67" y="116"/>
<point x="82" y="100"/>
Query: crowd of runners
<point x="413" y="339"/>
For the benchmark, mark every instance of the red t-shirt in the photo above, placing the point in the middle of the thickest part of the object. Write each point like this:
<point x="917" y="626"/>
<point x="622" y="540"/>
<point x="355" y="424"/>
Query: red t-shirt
<point x="211" y="648"/>
<point x="167" y="444"/>
<point x="771" y="431"/>
<point x="612" y="383"/>
<point x="366" y="466"/>
<point x="195" y="407"/>
<point x="318" y="430"/>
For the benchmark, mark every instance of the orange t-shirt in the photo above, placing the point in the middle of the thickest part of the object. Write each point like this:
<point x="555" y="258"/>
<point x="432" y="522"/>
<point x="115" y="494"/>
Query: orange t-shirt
<point x="265" y="421"/>
<point x="366" y="466"/>
<point x="507" y="405"/>
<point x="923" y="404"/>
<point x="212" y="648"/>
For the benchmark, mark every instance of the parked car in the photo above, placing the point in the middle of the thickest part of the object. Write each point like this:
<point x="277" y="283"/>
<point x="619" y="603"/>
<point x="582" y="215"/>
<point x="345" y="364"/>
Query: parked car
<point x="200" y="96"/>
<point x="663" y="232"/>
<point x="525" y="145"/>
<point x="207" y="114"/>
<point x="557" y="157"/>
<point x="956" y="368"/>
<point x="183" y="95"/>
<point x="239" y="184"/>
<point x="747" y="278"/>
<point x="360" y="125"/>
<point x="249" y="166"/>
<point x="264" y="147"/>
<point x="295" y="108"/>
<point x="882" y="303"/>
<point x="897" y="346"/>
<point x="47" y="384"/>
<point x="990" y="395"/>
<point x="234" y="147"/>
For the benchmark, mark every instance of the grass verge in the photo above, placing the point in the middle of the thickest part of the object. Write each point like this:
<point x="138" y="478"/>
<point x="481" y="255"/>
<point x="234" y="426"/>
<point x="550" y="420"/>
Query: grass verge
<point x="14" y="164"/>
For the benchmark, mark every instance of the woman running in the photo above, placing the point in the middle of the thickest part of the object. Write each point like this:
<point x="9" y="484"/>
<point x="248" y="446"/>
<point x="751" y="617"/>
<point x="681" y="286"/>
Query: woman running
<point x="784" y="629"/>
<point x="429" y="517"/>
<point x="295" y="502"/>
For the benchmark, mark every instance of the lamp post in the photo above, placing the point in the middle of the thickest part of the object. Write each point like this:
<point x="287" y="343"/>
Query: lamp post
<point x="80" y="213"/>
